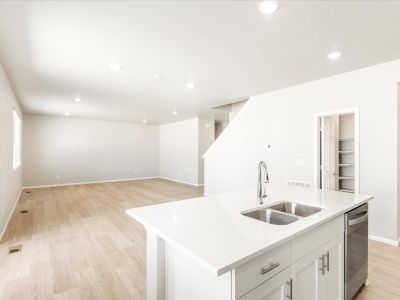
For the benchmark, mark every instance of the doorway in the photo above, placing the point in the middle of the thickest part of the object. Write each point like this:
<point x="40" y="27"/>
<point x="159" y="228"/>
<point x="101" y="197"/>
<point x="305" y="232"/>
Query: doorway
<point x="337" y="159"/>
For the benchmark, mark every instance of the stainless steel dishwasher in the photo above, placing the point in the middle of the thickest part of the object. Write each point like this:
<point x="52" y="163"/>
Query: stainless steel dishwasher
<point x="356" y="250"/>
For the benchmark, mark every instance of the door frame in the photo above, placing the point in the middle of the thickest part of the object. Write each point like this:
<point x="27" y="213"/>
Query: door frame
<point x="317" y="141"/>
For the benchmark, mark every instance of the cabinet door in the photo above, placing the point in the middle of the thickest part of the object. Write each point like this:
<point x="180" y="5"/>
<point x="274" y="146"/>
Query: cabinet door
<point x="307" y="278"/>
<point x="334" y="275"/>
<point x="276" y="288"/>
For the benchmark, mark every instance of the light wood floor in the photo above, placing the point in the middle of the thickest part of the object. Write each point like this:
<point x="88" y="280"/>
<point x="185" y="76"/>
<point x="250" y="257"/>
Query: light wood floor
<point x="77" y="243"/>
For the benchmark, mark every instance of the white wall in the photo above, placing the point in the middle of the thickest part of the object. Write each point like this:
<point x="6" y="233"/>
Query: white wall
<point x="60" y="150"/>
<point x="285" y="120"/>
<point x="206" y="138"/>
<point x="235" y="108"/>
<point x="179" y="151"/>
<point x="182" y="145"/>
<point x="398" y="160"/>
<point x="219" y="128"/>
<point x="10" y="180"/>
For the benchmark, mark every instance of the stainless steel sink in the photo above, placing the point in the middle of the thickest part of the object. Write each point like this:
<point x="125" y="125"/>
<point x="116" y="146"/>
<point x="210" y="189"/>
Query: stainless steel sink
<point x="297" y="209"/>
<point x="282" y="213"/>
<point x="271" y="216"/>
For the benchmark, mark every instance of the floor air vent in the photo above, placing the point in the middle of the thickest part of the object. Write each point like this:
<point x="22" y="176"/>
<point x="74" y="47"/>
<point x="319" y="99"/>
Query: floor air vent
<point x="28" y="192"/>
<point x="14" y="249"/>
<point x="24" y="211"/>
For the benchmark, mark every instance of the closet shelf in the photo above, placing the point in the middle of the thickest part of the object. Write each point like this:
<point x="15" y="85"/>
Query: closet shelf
<point x="346" y="191"/>
<point x="346" y="178"/>
<point x="346" y="165"/>
<point x="345" y="151"/>
<point x="346" y="139"/>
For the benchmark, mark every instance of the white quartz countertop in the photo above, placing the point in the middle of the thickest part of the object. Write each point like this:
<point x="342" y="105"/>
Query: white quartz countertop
<point x="212" y="231"/>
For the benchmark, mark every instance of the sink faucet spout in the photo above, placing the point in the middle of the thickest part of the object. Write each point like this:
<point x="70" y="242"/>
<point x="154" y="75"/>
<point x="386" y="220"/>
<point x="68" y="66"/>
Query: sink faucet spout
<point x="261" y="191"/>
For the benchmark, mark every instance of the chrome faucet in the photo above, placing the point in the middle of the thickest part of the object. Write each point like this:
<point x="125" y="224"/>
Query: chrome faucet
<point x="261" y="191"/>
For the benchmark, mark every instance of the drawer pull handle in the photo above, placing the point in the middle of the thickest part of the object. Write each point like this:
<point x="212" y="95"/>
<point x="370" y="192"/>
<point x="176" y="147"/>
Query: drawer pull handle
<point x="327" y="263"/>
<point x="323" y="265"/>
<point x="270" y="268"/>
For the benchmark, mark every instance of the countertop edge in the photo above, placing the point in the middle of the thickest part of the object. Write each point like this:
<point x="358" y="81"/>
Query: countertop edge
<point x="218" y="271"/>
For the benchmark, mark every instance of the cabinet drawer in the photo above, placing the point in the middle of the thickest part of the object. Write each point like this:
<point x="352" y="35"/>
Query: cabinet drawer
<point x="307" y="242"/>
<point x="255" y="272"/>
<point x="277" y="287"/>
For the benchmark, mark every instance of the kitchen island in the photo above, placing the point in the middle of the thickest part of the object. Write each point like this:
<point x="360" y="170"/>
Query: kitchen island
<point x="205" y="248"/>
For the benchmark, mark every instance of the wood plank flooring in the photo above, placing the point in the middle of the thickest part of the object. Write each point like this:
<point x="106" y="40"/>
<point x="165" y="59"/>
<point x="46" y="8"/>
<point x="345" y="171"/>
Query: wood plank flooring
<point x="78" y="243"/>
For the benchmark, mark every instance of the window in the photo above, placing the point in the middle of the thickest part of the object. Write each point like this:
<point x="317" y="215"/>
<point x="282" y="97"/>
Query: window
<point x="17" y="128"/>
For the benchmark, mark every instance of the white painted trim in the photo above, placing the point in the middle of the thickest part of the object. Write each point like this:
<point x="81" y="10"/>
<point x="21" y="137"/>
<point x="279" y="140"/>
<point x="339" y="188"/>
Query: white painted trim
<point x="106" y="181"/>
<point x="10" y="215"/>
<point x="155" y="267"/>
<point x="384" y="240"/>
<point x="317" y="117"/>
<point x="180" y="181"/>
<point x="87" y="182"/>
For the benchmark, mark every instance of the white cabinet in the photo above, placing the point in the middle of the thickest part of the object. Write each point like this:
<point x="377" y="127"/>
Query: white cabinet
<point x="307" y="276"/>
<point x="334" y="277"/>
<point x="259" y="270"/>
<point x="276" y="288"/>
<point x="319" y="275"/>
<point x="308" y="267"/>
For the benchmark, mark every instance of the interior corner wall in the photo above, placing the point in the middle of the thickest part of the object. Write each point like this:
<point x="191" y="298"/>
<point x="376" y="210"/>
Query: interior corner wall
<point x="206" y="138"/>
<point x="10" y="179"/>
<point x="60" y="150"/>
<point x="285" y="119"/>
<point x="398" y="161"/>
<point x="182" y="145"/>
<point x="179" y="151"/>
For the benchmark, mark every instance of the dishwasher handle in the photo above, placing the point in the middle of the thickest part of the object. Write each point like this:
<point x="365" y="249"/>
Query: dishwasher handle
<point x="359" y="220"/>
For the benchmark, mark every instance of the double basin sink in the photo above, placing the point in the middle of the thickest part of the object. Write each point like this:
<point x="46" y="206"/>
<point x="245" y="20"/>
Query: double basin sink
<point x="282" y="213"/>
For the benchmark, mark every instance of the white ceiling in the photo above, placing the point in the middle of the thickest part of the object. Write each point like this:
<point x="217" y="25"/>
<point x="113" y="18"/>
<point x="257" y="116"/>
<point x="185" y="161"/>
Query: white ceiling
<point x="54" y="50"/>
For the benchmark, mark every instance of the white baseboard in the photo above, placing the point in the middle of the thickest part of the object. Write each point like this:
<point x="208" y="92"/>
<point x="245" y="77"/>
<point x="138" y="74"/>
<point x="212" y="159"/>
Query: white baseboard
<point x="87" y="182"/>
<point x="384" y="240"/>
<point x="180" y="181"/>
<point x="10" y="215"/>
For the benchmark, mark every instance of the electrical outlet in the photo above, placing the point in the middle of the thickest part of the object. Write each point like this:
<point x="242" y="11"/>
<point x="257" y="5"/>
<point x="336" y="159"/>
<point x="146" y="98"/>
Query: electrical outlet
<point x="4" y="212"/>
<point x="58" y="176"/>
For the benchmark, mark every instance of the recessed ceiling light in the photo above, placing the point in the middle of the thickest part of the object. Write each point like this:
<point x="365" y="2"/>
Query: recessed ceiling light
<point x="144" y="121"/>
<point x="77" y="99"/>
<point x="157" y="76"/>
<point x="115" y="67"/>
<point x="190" y="85"/>
<point x="334" y="55"/>
<point x="66" y="113"/>
<point x="174" y="112"/>
<point x="268" y="7"/>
